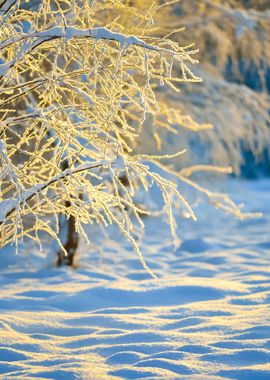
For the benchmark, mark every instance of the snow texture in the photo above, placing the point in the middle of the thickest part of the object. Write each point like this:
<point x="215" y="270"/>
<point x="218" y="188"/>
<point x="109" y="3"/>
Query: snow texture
<point x="206" y="317"/>
<point x="6" y="206"/>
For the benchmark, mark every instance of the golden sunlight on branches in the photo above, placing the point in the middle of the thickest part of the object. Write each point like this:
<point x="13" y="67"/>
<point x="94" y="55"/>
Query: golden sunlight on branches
<point x="78" y="81"/>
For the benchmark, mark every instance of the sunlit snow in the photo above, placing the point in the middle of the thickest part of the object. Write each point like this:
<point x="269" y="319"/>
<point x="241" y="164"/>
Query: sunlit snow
<point x="206" y="317"/>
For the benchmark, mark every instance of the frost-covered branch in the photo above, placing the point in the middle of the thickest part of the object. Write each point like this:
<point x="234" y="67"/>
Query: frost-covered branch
<point x="100" y="33"/>
<point x="9" y="206"/>
<point x="6" y="5"/>
<point x="76" y="92"/>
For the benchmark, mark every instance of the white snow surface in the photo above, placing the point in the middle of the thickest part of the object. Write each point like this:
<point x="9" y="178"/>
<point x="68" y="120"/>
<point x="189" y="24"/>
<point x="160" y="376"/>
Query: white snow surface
<point x="206" y="317"/>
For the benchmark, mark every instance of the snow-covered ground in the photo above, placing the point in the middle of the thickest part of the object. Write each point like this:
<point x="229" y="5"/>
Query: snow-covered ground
<point x="206" y="317"/>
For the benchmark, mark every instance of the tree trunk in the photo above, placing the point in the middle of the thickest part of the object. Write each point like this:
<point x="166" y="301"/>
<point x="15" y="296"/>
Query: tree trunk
<point x="72" y="239"/>
<point x="71" y="244"/>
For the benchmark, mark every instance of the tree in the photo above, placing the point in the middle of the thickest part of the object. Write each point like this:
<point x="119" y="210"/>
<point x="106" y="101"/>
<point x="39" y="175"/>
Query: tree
<point x="79" y="80"/>
<point x="234" y="98"/>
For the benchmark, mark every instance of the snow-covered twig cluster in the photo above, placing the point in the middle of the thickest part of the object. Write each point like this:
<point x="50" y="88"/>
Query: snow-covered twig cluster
<point x="77" y="85"/>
